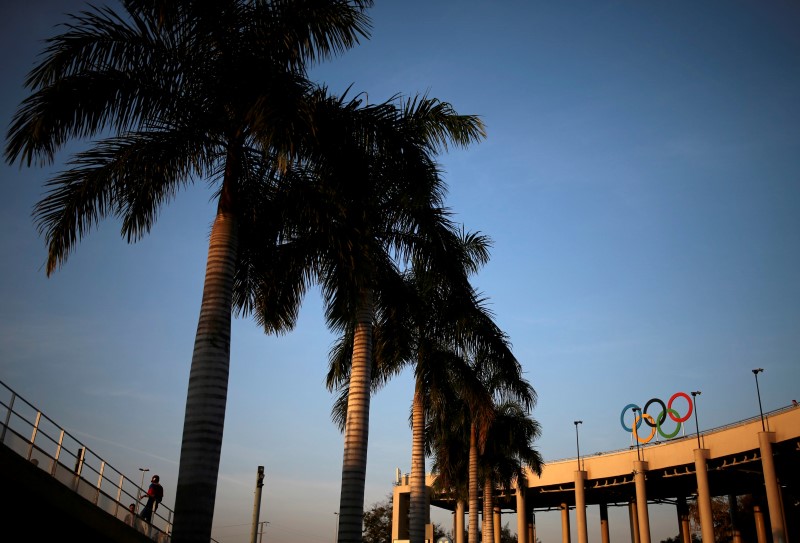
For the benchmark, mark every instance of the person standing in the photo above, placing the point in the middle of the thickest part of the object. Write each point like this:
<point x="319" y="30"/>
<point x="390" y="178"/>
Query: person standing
<point x="154" y="496"/>
<point x="131" y="514"/>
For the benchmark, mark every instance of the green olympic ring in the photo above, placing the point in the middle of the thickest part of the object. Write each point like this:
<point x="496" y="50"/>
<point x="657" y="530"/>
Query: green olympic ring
<point x="666" y="410"/>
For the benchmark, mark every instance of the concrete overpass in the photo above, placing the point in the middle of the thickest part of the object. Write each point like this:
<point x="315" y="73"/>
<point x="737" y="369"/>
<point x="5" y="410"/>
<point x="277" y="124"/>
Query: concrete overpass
<point x="739" y="459"/>
<point x="56" y="488"/>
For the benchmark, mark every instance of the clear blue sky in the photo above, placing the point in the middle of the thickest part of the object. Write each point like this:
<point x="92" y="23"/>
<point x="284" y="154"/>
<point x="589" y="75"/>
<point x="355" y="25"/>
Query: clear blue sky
<point x="641" y="183"/>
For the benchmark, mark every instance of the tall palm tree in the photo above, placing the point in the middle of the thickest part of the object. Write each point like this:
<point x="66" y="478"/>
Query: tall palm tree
<point x="449" y="322"/>
<point x="456" y="434"/>
<point x="428" y="321"/>
<point x="447" y="437"/>
<point x="507" y="452"/>
<point x="178" y="91"/>
<point x="475" y="412"/>
<point x="371" y="200"/>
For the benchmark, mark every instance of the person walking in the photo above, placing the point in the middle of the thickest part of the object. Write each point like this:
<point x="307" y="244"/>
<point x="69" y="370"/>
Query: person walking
<point x="154" y="496"/>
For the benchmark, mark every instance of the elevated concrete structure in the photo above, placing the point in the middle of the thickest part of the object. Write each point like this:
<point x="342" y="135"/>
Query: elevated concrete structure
<point x="57" y="488"/>
<point x="735" y="460"/>
<point x="38" y="507"/>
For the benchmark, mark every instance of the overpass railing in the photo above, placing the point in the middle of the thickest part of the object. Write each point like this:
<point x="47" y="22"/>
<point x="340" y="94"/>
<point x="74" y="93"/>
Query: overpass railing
<point x="37" y="438"/>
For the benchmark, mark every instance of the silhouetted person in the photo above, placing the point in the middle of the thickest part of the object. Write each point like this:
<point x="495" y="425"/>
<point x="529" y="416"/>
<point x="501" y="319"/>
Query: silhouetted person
<point x="131" y="515"/>
<point x="154" y="495"/>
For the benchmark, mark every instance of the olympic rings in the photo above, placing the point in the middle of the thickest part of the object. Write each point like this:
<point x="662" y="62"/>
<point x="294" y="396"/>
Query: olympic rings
<point x="656" y="423"/>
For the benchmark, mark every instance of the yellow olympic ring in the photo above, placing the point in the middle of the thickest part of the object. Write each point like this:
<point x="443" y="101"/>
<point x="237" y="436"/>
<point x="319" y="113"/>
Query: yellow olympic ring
<point x="636" y="422"/>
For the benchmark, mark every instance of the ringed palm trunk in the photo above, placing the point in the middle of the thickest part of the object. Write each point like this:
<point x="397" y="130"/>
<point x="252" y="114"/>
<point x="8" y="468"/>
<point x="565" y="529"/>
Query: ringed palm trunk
<point x="488" y="511"/>
<point x="208" y="385"/>
<point x="418" y="502"/>
<point x="473" y="485"/>
<point x="356" y="433"/>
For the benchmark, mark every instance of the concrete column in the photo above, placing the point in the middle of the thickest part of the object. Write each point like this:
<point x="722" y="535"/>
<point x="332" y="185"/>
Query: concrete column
<point x="400" y="505"/>
<point x="458" y="528"/>
<point x="565" y="538"/>
<point x="496" y="521"/>
<point x="640" y="468"/>
<point x="703" y="495"/>
<point x="532" y="529"/>
<point x="774" y="507"/>
<point x="684" y="529"/>
<point x="522" y="521"/>
<point x="580" y="507"/>
<point x="761" y="525"/>
<point x="634" y="519"/>
<point x="736" y="533"/>
<point x="604" y="534"/>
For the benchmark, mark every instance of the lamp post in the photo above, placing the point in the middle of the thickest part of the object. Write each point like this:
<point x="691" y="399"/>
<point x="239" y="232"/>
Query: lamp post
<point x="141" y="487"/>
<point x="257" y="503"/>
<point x="755" y="373"/>
<point x="577" y="443"/>
<point x="635" y="433"/>
<point x="262" y="527"/>
<point x="695" y="394"/>
<point x="336" y="527"/>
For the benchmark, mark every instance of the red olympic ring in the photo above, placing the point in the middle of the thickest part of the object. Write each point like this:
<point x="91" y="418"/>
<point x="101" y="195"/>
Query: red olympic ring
<point x="688" y="413"/>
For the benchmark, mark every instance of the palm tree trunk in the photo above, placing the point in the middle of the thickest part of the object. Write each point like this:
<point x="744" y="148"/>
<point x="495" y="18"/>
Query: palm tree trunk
<point x="416" y="525"/>
<point x="488" y="510"/>
<point x="208" y="390"/>
<point x="356" y="433"/>
<point x="473" y="485"/>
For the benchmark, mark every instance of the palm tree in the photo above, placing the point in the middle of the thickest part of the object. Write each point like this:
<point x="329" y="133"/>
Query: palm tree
<point x="461" y="425"/>
<point x="467" y="425"/>
<point x="507" y="452"/>
<point x="370" y="200"/>
<point x="448" y="322"/>
<point x="178" y="91"/>
<point x="422" y="325"/>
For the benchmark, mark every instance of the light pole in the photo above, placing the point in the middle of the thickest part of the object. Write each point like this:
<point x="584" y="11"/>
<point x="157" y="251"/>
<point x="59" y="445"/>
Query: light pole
<point x="141" y="487"/>
<point x="695" y="394"/>
<point x="755" y="373"/>
<point x="263" y="526"/>
<point x="257" y="503"/>
<point x="577" y="443"/>
<point x="635" y="433"/>
<point x="336" y="527"/>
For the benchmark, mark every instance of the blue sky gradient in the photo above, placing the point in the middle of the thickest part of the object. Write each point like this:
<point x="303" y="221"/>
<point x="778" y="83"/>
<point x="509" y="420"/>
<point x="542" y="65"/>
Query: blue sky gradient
<point x="640" y="182"/>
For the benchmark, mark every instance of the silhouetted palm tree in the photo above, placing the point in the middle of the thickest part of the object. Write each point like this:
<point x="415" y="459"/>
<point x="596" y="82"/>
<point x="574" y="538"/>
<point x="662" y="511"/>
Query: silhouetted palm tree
<point x="178" y="91"/>
<point x="369" y="200"/>
<point x="466" y="425"/>
<point x="456" y="433"/>
<point x="449" y="320"/>
<point x="426" y="325"/>
<point x="507" y="452"/>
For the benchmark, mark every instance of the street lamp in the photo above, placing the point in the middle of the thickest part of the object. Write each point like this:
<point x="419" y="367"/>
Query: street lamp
<point x="577" y="443"/>
<point x="635" y="433"/>
<point x="263" y="526"/>
<point x="141" y="487"/>
<point x="336" y="527"/>
<point x="755" y="373"/>
<point x="695" y="394"/>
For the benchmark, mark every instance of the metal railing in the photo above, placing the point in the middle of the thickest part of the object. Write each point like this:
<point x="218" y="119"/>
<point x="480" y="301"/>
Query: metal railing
<point x="37" y="438"/>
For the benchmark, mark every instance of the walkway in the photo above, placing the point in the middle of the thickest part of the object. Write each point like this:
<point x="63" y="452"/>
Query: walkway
<point x="61" y="486"/>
